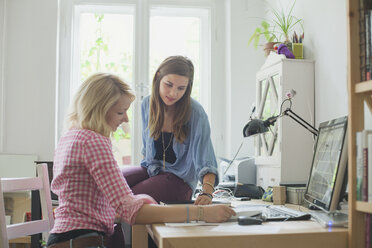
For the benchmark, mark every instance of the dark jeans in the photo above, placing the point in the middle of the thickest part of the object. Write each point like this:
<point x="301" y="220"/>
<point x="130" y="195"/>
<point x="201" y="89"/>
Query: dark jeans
<point x="115" y="241"/>
<point x="164" y="187"/>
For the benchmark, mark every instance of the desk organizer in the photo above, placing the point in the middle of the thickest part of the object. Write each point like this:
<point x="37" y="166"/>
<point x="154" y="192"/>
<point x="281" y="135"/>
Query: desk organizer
<point x="298" y="50"/>
<point x="295" y="195"/>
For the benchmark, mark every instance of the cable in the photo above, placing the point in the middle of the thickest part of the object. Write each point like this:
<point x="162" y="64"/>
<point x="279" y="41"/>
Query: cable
<point x="223" y="193"/>
<point x="236" y="154"/>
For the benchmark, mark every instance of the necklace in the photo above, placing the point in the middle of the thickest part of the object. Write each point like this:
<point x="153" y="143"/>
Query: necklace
<point x="165" y="148"/>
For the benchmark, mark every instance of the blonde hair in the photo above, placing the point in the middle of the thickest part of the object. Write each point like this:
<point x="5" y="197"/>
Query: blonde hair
<point x="93" y="100"/>
<point x="178" y="65"/>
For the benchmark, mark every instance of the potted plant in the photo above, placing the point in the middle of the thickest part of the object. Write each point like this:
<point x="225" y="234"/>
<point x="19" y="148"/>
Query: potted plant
<point x="263" y="30"/>
<point x="276" y="30"/>
<point x="286" y="23"/>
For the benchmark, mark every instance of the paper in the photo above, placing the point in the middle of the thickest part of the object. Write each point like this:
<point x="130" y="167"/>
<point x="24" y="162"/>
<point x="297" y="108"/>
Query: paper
<point x="192" y="223"/>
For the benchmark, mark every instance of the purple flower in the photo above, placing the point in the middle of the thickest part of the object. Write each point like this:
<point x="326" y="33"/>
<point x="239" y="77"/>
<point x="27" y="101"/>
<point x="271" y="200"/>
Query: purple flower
<point x="290" y="94"/>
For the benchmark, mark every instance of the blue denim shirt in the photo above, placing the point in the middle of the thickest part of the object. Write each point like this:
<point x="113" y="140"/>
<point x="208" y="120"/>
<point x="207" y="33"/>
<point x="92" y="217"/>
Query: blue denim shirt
<point x="195" y="156"/>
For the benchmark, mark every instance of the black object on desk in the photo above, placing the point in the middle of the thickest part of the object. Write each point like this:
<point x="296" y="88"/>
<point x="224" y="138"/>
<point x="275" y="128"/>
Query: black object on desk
<point x="243" y="198"/>
<point x="246" y="220"/>
<point x="248" y="190"/>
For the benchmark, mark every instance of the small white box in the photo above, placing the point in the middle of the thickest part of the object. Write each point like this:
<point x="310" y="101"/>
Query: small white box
<point x="295" y="195"/>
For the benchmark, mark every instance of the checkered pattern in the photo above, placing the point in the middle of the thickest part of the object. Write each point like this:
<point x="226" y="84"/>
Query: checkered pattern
<point x="90" y="187"/>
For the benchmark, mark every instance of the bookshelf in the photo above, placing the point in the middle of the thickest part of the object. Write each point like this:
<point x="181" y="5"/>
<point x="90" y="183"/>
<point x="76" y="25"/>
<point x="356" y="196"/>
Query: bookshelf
<point x="359" y="91"/>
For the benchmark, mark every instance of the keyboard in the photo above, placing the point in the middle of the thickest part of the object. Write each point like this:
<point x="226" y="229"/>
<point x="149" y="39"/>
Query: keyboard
<point x="282" y="213"/>
<point x="270" y="212"/>
<point x="330" y="219"/>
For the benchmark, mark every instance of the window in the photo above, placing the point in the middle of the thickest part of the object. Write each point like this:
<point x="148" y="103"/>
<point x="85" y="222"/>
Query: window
<point x="105" y="44"/>
<point x="131" y="40"/>
<point x="180" y="31"/>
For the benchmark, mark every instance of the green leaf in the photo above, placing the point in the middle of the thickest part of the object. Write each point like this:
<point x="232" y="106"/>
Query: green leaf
<point x="92" y="51"/>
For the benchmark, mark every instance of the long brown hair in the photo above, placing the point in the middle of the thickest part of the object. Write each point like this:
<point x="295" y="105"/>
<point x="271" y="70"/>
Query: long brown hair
<point x="181" y="66"/>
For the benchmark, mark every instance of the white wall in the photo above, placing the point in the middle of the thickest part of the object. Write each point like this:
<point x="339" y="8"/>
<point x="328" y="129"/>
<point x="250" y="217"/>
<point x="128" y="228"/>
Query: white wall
<point x="29" y="32"/>
<point x="2" y="93"/>
<point x="218" y="97"/>
<point x="325" y="43"/>
<point x="242" y="63"/>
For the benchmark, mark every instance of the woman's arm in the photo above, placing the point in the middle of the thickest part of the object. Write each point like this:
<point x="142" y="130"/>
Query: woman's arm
<point x="144" y="117"/>
<point x="150" y="213"/>
<point x="205" y="197"/>
<point x="203" y="156"/>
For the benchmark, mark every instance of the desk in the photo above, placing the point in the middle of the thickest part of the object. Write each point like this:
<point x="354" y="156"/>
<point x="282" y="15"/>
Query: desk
<point x="290" y="234"/>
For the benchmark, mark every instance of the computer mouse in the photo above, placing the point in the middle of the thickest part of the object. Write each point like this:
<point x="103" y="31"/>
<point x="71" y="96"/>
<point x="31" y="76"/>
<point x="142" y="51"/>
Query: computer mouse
<point x="246" y="220"/>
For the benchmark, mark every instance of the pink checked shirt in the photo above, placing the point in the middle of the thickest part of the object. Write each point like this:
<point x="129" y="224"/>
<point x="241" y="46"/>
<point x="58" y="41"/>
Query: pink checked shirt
<point x="90" y="187"/>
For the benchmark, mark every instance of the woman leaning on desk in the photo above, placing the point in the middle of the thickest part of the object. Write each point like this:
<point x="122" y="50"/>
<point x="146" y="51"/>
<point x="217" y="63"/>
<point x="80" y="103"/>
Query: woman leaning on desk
<point x="177" y="148"/>
<point x="91" y="189"/>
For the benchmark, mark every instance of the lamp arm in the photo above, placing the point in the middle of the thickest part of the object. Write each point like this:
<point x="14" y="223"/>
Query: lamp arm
<point x="301" y="121"/>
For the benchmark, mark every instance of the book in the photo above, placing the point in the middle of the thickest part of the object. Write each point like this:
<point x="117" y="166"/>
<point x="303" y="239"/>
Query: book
<point x="362" y="41"/>
<point x="368" y="45"/>
<point x="369" y="160"/>
<point x="359" y="165"/>
<point x="364" y="145"/>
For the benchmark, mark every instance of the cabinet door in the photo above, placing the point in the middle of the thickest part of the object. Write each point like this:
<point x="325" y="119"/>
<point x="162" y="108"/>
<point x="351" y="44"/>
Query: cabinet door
<point x="268" y="105"/>
<point x="268" y="175"/>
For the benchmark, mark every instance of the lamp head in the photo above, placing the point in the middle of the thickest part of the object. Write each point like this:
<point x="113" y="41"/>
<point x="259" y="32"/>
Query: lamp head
<point x="253" y="127"/>
<point x="257" y="126"/>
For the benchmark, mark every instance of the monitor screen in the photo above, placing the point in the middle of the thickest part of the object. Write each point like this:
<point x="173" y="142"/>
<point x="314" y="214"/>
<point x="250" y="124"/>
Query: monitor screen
<point x="327" y="181"/>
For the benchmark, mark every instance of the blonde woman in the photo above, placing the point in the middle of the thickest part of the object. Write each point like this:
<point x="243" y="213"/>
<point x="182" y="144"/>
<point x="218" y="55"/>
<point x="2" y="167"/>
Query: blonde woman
<point x="177" y="148"/>
<point x="90" y="186"/>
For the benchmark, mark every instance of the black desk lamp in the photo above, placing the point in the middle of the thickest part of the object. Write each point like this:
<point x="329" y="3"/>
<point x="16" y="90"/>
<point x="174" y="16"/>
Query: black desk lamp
<point x="257" y="126"/>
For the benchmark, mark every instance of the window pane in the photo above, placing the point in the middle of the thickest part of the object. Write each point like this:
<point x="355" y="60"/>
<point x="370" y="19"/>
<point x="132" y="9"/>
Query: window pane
<point x="171" y="35"/>
<point x="106" y="45"/>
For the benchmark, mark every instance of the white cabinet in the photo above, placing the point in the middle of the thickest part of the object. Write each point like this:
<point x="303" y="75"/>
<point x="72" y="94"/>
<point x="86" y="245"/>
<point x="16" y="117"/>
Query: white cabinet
<point x="284" y="154"/>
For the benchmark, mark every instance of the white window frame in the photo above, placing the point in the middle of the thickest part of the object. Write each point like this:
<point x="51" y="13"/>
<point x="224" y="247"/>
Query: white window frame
<point x="202" y="14"/>
<point x="124" y="9"/>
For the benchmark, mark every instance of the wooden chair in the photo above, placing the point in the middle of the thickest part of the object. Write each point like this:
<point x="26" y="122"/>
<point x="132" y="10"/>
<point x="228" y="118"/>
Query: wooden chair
<point x="41" y="183"/>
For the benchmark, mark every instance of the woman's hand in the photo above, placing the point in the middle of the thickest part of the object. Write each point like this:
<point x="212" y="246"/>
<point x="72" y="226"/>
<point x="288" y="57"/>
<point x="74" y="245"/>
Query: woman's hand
<point x="203" y="200"/>
<point x="217" y="213"/>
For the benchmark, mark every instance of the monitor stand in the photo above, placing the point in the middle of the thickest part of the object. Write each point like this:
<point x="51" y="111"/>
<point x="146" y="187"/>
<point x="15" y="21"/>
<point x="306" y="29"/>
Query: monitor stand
<point x="332" y="219"/>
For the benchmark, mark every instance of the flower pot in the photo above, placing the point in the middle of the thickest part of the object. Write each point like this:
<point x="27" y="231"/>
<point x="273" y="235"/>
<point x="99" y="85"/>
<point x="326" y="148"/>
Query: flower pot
<point x="268" y="47"/>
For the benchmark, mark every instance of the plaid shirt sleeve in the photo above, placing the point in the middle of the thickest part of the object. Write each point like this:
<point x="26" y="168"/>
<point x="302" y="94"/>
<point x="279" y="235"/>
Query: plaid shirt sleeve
<point x="110" y="181"/>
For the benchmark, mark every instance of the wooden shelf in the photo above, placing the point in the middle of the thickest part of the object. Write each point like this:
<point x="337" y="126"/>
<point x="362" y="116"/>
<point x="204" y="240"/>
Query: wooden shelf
<point x="364" y="87"/>
<point x="365" y="207"/>
<point x="359" y="93"/>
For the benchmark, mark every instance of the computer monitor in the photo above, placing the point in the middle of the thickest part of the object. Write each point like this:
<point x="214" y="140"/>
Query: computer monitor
<point x="328" y="176"/>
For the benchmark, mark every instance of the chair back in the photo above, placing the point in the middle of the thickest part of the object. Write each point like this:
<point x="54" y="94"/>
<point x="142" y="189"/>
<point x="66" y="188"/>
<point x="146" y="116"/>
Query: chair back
<point x="40" y="183"/>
